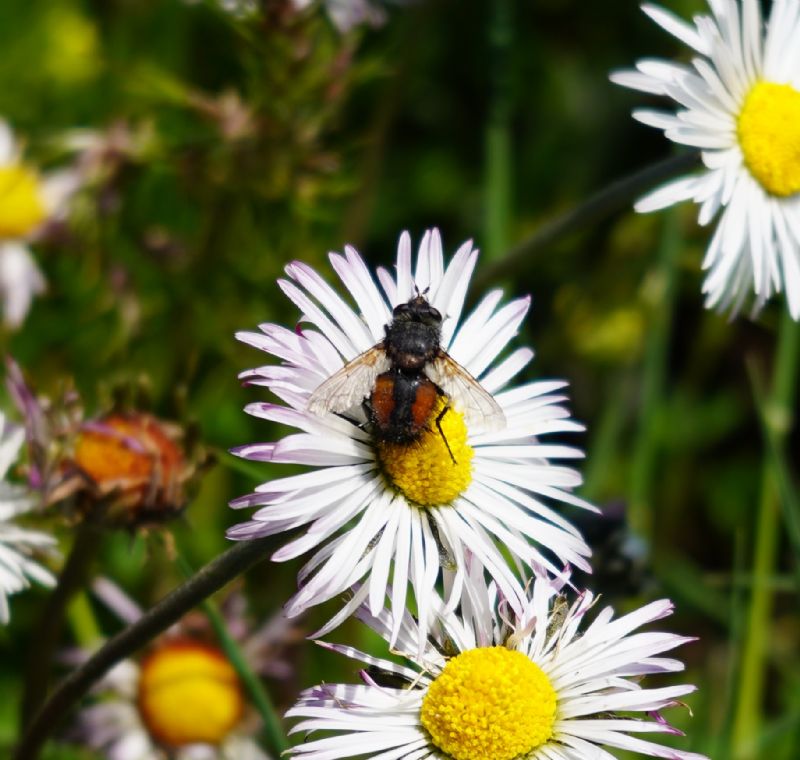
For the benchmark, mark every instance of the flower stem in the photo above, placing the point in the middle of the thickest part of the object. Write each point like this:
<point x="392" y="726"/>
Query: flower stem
<point x="611" y="199"/>
<point x="274" y="734"/>
<point x="51" y="623"/>
<point x="170" y="609"/>
<point x="606" y="436"/>
<point x="498" y="133"/>
<point x="84" y="626"/>
<point x="778" y="420"/>
<point x="776" y="457"/>
<point x="645" y="450"/>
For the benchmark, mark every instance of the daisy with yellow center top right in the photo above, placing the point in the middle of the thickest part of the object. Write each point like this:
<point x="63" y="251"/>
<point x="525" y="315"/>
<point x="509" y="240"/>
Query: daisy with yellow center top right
<point x="547" y="684"/>
<point x="739" y="103"/>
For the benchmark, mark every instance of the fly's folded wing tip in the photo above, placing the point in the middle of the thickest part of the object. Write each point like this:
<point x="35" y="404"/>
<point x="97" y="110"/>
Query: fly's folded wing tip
<point x="316" y="405"/>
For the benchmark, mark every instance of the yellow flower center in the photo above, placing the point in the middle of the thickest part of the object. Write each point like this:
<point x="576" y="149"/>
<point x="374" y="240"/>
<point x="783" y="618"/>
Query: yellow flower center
<point x="489" y="702"/>
<point x="424" y="469"/>
<point x="769" y="135"/>
<point x="189" y="693"/>
<point x="22" y="207"/>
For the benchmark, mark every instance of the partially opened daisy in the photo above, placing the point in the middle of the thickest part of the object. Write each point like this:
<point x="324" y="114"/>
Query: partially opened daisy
<point x="547" y="684"/>
<point x="739" y="103"/>
<point x="18" y="545"/>
<point x="27" y="202"/>
<point x="409" y="508"/>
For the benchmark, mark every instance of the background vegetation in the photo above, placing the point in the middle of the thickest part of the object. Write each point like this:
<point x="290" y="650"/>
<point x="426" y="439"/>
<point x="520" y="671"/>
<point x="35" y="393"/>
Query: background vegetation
<point x="269" y="136"/>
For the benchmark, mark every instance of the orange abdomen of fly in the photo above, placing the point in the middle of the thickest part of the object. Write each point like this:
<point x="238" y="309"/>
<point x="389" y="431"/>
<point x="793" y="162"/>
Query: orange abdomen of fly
<point x="401" y="405"/>
<point x="382" y="402"/>
<point x="425" y="400"/>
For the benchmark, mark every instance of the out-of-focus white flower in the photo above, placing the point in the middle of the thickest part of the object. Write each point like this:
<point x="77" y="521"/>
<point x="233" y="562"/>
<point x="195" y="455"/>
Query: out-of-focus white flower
<point x="347" y="14"/>
<point x="20" y="281"/>
<point x="17" y="544"/>
<point x="739" y="103"/>
<point x="183" y="700"/>
<point x="28" y="202"/>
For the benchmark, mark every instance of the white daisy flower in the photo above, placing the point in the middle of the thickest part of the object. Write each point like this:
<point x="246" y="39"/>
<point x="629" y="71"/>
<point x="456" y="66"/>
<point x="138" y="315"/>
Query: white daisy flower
<point x="183" y="700"/>
<point x="543" y="685"/>
<point x="739" y="103"/>
<point x="27" y="203"/>
<point x="380" y="509"/>
<point x="17" y="544"/>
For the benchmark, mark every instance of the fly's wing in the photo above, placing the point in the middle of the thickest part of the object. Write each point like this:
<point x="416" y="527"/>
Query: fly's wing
<point x="467" y="394"/>
<point x="351" y="384"/>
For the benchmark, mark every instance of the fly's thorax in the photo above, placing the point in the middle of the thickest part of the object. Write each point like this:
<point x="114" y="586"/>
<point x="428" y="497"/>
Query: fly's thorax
<point x="411" y="345"/>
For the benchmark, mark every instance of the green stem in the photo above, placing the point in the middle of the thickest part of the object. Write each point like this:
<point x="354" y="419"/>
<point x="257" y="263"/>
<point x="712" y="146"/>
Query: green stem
<point x="82" y="621"/>
<point x="157" y="619"/>
<point x="738" y="605"/>
<point x="778" y="418"/>
<point x="640" y="515"/>
<point x="51" y="623"/>
<point x="274" y="734"/>
<point x="776" y="459"/>
<point x="498" y="133"/>
<point x="606" y="437"/>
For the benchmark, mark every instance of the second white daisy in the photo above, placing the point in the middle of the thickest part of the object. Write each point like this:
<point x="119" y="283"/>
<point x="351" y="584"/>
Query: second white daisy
<point x="739" y="103"/>
<point x="542" y="685"/>
<point x="408" y="512"/>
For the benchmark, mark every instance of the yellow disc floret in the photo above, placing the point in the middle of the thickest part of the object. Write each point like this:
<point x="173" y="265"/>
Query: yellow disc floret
<point x="769" y="135"/>
<point x="489" y="702"/>
<point x="424" y="469"/>
<point x="189" y="693"/>
<point x="22" y="207"/>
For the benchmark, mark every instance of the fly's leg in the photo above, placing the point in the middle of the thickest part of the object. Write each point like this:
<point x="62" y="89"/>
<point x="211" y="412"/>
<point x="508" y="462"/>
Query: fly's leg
<point x="439" y="417"/>
<point x="441" y="432"/>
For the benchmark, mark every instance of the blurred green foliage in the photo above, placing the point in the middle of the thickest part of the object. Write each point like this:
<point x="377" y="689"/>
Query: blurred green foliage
<point x="271" y="137"/>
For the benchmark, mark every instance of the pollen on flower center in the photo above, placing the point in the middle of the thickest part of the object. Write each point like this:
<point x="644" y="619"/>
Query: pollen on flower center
<point x="489" y="702"/>
<point x="423" y="469"/>
<point x="22" y="207"/>
<point x="769" y="135"/>
<point x="189" y="693"/>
